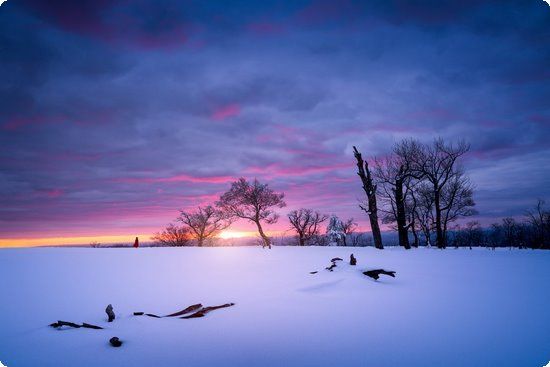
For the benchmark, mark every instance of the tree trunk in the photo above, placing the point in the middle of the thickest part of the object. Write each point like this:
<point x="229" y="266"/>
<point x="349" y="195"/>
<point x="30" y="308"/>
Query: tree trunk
<point x="439" y="241"/>
<point x="265" y="239"/>
<point x="370" y="189"/>
<point x="302" y="240"/>
<point x="415" y="235"/>
<point x="401" y="215"/>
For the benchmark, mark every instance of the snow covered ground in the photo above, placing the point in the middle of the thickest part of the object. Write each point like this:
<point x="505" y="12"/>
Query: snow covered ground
<point x="445" y="308"/>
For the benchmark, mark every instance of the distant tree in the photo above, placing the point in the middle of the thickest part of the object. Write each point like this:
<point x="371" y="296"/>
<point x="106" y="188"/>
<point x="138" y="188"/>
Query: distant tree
<point x="371" y="206"/>
<point x="539" y="219"/>
<point x="509" y="231"/>
<point x="335" y="230"/>
<point x="204" y="223"/>
<point x="306" y="223"/>
<point x="172" y="235"/>
<point x="348" y="227"/>
<point x="254" y="202"/>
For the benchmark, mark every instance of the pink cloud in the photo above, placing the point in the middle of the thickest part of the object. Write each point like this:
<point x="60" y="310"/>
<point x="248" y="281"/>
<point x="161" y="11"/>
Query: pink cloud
<point x="179" y="178"/>
<point x="226" y="111"/>
<point x="277" y="170"/>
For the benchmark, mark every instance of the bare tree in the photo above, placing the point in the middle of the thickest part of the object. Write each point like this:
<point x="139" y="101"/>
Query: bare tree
<point x="437" y="164"/>
<point x="349" y="227"/>
<point x="204" y="223"/>
<point x="172" y="235"/>
<point x="391" y="174"/>
<point x="252" y="201"/>
<point x="306" y="223"/>
<point x="369" y="187"/>
<point x="456" y="200"/>
<point x="539" y="218"/>
<point x="509" y="231"/>
<point x="423" y="199"/>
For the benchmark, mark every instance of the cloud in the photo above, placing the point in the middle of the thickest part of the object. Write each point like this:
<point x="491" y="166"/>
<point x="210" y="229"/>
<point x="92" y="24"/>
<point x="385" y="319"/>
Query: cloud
<point x="114" y="114"/>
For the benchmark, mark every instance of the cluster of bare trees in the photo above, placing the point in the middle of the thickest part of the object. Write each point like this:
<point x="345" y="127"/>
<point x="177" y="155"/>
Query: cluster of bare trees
<point x="531" y="231"/>
<point x="251" y="201"/>
<point x="308" y="225"/>
<point x="420" y="188"/>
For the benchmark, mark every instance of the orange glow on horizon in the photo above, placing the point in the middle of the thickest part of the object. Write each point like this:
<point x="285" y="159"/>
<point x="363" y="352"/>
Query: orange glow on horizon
<point x="61" y="241"/>
<point x="109" y="239"/>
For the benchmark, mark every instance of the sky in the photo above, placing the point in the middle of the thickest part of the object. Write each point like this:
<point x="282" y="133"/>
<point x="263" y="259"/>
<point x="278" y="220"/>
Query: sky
<point x="115" y="114"/>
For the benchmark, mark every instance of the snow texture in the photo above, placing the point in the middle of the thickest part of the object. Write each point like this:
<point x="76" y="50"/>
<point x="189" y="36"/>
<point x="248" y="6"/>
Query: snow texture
<point x="444" y="308"/>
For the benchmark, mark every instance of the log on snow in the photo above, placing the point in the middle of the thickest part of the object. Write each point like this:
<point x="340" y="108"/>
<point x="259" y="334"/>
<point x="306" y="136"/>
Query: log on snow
<point x="186" y="310"/>
<point x="204" y="311"/>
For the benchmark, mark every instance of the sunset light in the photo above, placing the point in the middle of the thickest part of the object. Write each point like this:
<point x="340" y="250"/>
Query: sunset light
<point x="234" y="234"/>
<point x="328" y="183"/>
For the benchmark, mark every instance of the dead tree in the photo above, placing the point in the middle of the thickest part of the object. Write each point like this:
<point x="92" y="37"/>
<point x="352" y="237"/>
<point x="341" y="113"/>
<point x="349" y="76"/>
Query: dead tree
<point x="306" y="223"/>
<point x="370" y="190"/>
<point x="254" y="202"/>
<point x="204" y="223"/>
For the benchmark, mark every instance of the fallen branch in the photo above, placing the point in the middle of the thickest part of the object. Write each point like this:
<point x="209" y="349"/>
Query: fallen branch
<point x="60" y="323"/>
<point x="204" y="311"/>
<point x="187" y="310"/>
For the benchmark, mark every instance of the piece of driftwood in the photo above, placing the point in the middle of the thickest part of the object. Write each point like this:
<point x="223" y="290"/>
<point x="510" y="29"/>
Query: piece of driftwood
<point x="110" y="312"/>
<point x="138" y="313"/>
<point x="375" y="274"/>
<point x="186" y="310"/>
<point x="313" y="272"/>
<point x="90" y="326"/>
<point x="352" y="260"/>
<point x="152" y="315"/>
<point x="205" y="310"/>
<point x="115" y="342"/>
<point x="336" y="259"/>
<point x="60" y="323"/>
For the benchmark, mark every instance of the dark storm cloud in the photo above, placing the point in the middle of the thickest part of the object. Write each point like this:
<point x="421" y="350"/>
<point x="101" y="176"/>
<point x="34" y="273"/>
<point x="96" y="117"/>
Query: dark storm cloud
<point x="113" y="114"/>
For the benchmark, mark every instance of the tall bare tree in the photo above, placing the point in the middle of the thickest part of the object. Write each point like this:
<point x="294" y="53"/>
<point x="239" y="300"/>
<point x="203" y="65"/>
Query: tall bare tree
<point x="392" y="177"/>
<point x="369" y="187"/>
<point x="172" y="235"/>
<point x="306" y="223"/>
<point x="254" y="202"/>
<point x="437" y="164"/>
<point x="204" y="223"/>
<point x="422" y="197"/>
<point x="456" y="200"/>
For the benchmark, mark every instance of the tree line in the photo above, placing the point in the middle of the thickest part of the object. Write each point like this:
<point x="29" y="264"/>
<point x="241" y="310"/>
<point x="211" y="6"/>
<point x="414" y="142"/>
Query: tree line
<point x="419" y="190"/>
